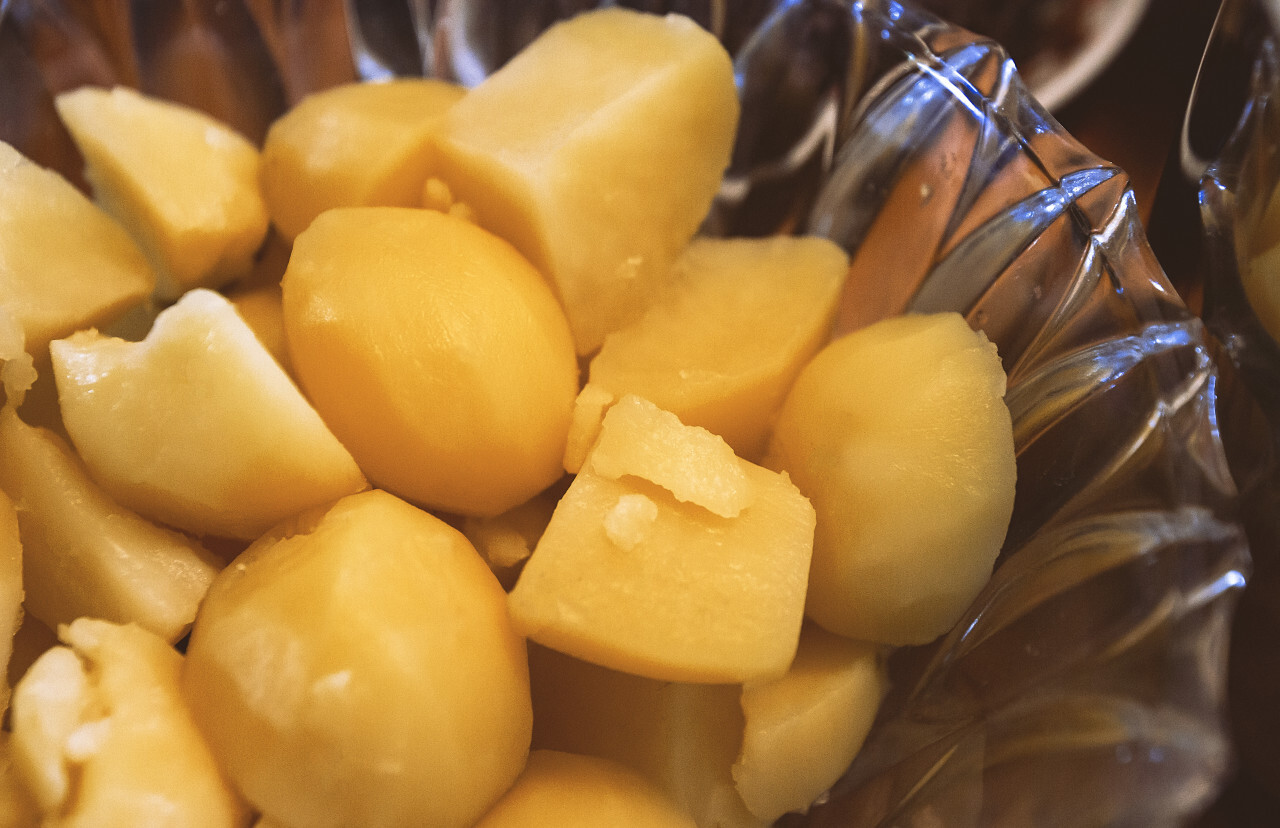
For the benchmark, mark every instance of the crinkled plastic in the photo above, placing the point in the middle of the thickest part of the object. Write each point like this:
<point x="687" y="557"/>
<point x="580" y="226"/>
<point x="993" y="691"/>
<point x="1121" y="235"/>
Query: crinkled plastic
<point x="1085" y="684"/>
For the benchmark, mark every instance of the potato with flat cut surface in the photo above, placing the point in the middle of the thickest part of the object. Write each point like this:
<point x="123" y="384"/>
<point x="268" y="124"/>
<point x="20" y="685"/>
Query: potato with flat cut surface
<point x="198" y="426"/>
<point x="84" y="554"/>
<point x="64" y="263"/>
<point x="803" y="730"/>
<point x="435" y="352"/>
<point x="597" y="151"/>
<point x="353" y="145"/>
<point x="566" y="790"/>
<point x="357" y="666"/>
<point x="723" y="342"/>
<point x="670" y="569"/>
<point x="183" y="183"/>
<point x="899" y="435"/>
<point x="101" y="736"/>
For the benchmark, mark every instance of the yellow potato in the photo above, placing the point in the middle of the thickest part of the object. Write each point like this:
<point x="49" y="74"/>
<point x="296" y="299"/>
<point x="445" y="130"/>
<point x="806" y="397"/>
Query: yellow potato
<point x="597" y="151"/>
<point x="899" y="435"/>
<point x="435" y="352"/>
<point x="64" y="263"/>
<point x="101" y="736"/>
<point x="565" y="790"/>
<point x="722" y="344"/>
<point x="358" y="667"/>
<point x="628" y="576"/>
<point x="10" y="590"/>
<point x="84" y="554"/>
<point x="197" y="426"/>
<point x="353" y="145"/>
<point x="182" y="182"/>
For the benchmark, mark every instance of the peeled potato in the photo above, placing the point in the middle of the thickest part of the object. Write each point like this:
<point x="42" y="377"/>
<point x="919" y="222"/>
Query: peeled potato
<point x="435" y="352"/>
<point x="899" y="435"/>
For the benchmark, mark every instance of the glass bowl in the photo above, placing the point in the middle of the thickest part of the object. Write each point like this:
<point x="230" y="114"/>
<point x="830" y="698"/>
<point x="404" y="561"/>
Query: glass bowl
<point x="1085" y="684"/>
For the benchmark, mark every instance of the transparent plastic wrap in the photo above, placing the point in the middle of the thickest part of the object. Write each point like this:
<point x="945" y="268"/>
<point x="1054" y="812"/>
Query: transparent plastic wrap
<point x="1085" y="684"/>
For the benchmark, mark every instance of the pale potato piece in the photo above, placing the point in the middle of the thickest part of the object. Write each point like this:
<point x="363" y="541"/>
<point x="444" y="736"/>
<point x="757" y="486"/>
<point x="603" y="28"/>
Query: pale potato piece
<point x="197" y="426"/>
<point x="597" y="151"/>
<point x="101" y="736"/>
<point x="803" y="730"/>
<point x="182" y="182"/>
<point x="564" y="790"/>
<point x="629" y="577"/>
<point x="84" y="554"/>
<point x="17" y="368"/>
<point x="462" y="359"/>
<point x="589" y="408"/>
<point x="10" y="591"/>
<point x="64" y="263"/>
<point x="721" y="345"/>
<point x="684" y="738"/>
<point x="353" y="145"/>
<point x="899" y="435"/>
<point x="640" y="440"/>
<point x="358" y="667"/>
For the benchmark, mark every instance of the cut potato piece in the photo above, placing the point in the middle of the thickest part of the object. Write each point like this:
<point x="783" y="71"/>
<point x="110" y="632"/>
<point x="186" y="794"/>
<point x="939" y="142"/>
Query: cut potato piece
<point x="436" y="353"/>
<point x="182" y="182"/>
<point x="597" y="151"/>
<point x="629" y="577"/>
<point x="354" y="145"/>
<point x="638" y="439"/>
<point x="684" y="738"/>
<point x="101" y="735"/>
<point x="507" y="540"/>
<point x="723" y="343"/>
<point x="64" y="263"/>
<point x="198" y="426"/>
<point x="358" y="667"/>
<point x="584" y="428"/>
<point x="564" y="790"/>
<point x="84" y="555"/>
<point x="17" y="368"/>
<point x="10" y="591"/>
<point x="803" y="730"/>
<point x="899" y="434"/>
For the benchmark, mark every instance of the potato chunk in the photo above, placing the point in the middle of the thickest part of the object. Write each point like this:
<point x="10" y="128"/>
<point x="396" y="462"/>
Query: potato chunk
<point x="899" y="434"/>
<point x="628" y="576"/>
<point x="565" y="790"/>
<point x="596" y="151"/>
<point x="802" y="731"/>
<point x="182" y="182"/>
<point x="722" y="344"/>
<point x="64" y="263"/>
<point x="682" y="737"/>
<point x="101" y="735"/>
<point x="85" y="555"/>
<point x="359" y="668"/>
<point x="198" y="426"/>
<point x="353" y="145"/>
<point x="436" y="353"/>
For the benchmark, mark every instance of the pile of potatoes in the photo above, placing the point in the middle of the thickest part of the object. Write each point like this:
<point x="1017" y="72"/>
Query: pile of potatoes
<point x="474" y="486"/>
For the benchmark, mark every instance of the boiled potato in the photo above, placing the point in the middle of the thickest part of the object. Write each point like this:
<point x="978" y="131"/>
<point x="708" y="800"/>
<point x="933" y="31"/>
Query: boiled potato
<point x="802" y="731"/>
<point x="182" y="182"/>
<point x="899" y="435"/>
<point x="436" y="353"/>
<point x="353" y="145"/>
<point x="197" y="426"/>
<point x="564" y="790"/>
<point x="683" y="738"/>
<point x="358" y="667"/>
<point x="64" y="263"/>
<point x="101" y="736"/>
<point x="83" y="553"/>
<point x="724" y="341"/>
<point x="17" y="810"/>
<point x="597" y="151"/>
<point x="634" y="573"/>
